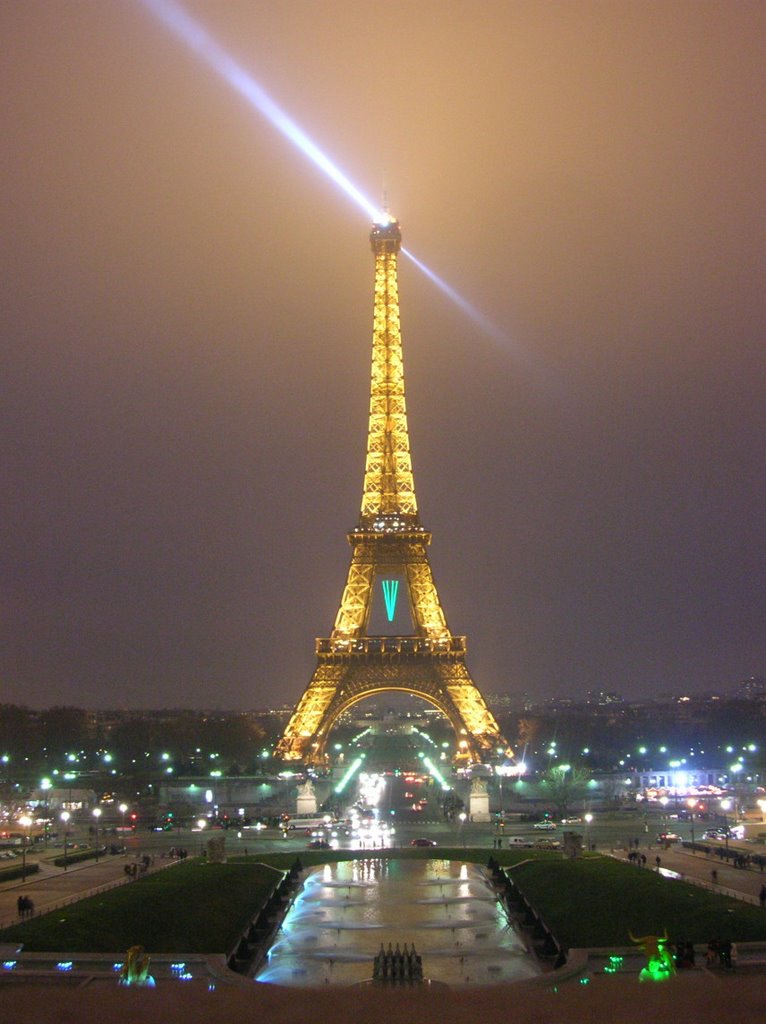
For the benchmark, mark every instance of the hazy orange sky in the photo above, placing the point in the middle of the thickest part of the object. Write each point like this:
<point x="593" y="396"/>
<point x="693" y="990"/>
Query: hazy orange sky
<point x="186" y="332"/>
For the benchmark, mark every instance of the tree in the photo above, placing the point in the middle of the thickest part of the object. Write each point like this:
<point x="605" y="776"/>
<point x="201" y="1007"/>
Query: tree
<point x="64" y="730"/>
<point x="563" y="785"/>
<point x="452" y="804"/>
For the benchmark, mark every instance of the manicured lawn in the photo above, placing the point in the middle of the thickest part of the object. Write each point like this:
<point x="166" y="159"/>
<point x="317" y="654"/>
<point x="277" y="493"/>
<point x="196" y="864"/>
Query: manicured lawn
<point x="192" y="907"/>
<point x="597" y="901"/>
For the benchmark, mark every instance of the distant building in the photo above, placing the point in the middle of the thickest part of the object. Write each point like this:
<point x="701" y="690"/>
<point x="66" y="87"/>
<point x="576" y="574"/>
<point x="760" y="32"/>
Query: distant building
<point x="64" y="799"/>
<point x="603" y="698"/>
<point x="753" y="688"/>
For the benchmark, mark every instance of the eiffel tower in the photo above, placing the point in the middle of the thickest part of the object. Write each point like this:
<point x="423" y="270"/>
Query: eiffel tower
<point x="378" y="643"/>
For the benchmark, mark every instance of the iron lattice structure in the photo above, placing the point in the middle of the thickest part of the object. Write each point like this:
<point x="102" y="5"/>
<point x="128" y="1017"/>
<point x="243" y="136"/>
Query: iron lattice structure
<point x="389" y="541"/>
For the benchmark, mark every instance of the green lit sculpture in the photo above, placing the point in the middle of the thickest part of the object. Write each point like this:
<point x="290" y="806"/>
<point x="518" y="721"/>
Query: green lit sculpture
<point x="659" y="961"/>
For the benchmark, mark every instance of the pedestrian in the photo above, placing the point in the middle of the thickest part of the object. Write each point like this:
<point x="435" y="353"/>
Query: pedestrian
<point x="714" y="876"/>
<point x="643" y="860"/>
<point x="20" y="905"/>
<point x="657" y="861"/>
<point x="733" y="955"/>
<point x="762" y="896"/>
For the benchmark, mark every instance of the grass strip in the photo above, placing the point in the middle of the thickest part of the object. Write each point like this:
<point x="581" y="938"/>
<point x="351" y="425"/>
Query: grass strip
<point x="598" y="901"/>
<point x="193" y="907"/>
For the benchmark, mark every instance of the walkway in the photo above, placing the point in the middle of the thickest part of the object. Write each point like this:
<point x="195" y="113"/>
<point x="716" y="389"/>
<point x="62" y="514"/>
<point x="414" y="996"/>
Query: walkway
<point x="743" y="883"/>
<point x="53" y="886"/>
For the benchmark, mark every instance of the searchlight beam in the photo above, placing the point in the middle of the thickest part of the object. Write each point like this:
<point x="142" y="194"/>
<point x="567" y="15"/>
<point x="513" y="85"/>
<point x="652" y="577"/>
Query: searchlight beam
<point x="176" y="18"/>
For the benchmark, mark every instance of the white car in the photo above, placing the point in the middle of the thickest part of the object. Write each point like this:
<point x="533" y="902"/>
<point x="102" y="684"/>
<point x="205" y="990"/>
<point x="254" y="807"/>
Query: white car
<point x="545" y="826"/>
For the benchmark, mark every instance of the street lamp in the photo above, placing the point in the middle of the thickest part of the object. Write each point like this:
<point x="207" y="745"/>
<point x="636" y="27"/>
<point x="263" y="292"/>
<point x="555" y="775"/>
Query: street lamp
<point x="25" y="821"/>
<point x="726" y="806"/>
<point x="45" y="785"/>
<point x="123" y="811"/>
<point x="65" y="816"/>
<point x="588" y="820"/>
<point x="97" y="815"/>
<point x="735" y="769"/>
<point x="663" y="816"/>
<point x="462" y="817"/>
<point x="691" y="803"/>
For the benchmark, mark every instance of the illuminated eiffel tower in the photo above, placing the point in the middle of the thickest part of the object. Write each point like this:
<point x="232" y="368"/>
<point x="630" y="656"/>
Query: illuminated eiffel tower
<point x="380" y="643"/>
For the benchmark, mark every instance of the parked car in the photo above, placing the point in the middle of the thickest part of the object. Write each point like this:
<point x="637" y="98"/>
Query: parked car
<point x="721" y="834"/>
<point x="519" y="841"/>
<point x="545" y="826"/>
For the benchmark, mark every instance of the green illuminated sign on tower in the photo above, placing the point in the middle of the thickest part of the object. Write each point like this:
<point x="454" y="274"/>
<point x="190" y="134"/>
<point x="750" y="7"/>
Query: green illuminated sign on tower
<point x="390" y="592"/>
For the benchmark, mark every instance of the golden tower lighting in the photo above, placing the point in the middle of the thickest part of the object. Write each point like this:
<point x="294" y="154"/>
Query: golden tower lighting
<point x="379" y="643"/>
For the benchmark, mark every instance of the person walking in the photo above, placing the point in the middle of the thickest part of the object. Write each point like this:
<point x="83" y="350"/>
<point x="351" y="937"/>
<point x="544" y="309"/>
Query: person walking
<point x="762" y="896"/>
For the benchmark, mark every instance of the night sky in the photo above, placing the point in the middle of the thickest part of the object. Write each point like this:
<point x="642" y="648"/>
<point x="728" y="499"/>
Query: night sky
<point x="187" y="325"/>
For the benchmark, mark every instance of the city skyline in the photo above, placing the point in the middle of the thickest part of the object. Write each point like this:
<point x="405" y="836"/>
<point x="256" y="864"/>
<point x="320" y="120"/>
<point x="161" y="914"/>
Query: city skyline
<point x="188" y="324"/>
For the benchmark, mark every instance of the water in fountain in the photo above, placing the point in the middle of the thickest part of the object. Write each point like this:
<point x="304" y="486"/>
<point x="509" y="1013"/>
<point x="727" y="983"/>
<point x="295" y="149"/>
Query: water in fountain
<point x="345" y="911"/>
